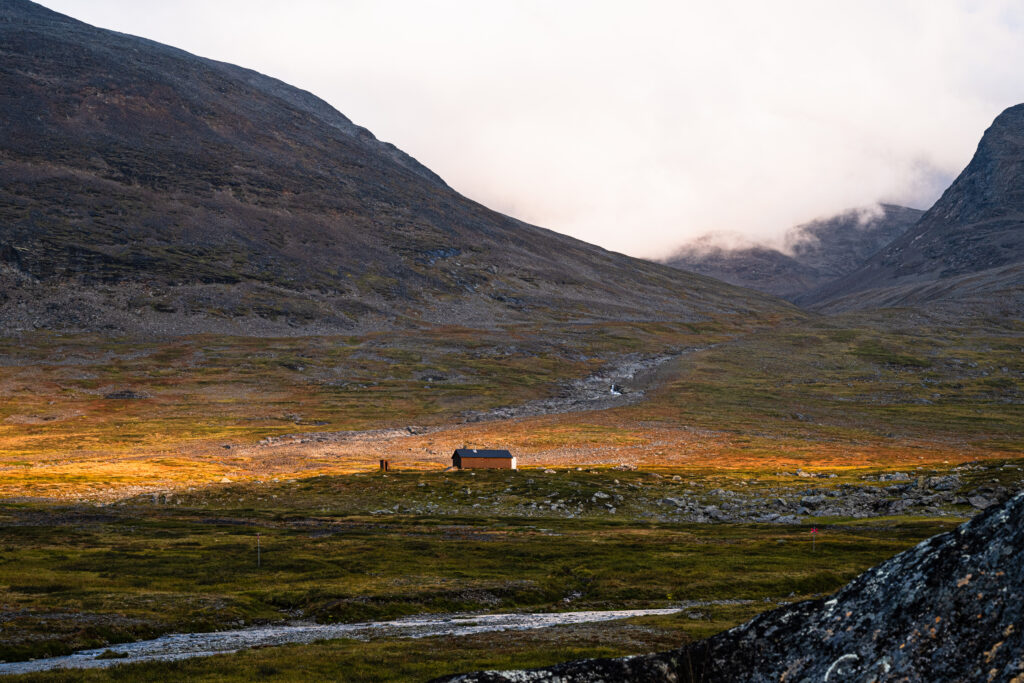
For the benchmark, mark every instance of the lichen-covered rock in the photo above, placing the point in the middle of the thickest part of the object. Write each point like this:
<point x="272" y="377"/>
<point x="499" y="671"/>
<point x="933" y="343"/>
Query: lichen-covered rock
<point x="948" y="610"/>
<point x="670" y="667"/>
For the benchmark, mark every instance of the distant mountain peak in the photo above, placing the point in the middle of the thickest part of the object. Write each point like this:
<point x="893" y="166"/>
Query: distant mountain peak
<point x="976" y="225"/>
<point x="814" y="252"/>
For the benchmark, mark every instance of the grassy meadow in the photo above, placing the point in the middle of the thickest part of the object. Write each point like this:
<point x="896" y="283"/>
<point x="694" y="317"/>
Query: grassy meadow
<point x="136" y="477"/>
<point x="78" y="576"/>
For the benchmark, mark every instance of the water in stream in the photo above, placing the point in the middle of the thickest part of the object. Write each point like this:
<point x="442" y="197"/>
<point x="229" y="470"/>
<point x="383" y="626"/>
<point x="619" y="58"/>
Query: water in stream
<point x="185" y="645"/>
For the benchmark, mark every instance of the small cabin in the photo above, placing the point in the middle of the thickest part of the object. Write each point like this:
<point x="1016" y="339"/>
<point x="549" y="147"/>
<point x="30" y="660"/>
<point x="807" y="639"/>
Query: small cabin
<point x="474" y="459"/>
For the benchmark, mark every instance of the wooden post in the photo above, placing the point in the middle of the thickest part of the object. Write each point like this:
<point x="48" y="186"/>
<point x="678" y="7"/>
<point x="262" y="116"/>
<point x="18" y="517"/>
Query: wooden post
<point x="259" y="558"/>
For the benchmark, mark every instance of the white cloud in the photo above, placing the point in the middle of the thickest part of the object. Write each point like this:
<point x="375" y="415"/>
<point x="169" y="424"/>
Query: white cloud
<point x="640" y="125"/>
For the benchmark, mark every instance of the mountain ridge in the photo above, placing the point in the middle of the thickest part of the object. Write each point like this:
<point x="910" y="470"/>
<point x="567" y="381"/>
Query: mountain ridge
<point x="976" y="225"/>
<point x="147" y="189"/>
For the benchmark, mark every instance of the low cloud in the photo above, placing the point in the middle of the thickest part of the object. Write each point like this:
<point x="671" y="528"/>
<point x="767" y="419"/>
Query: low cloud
<point x="639" y="126"/>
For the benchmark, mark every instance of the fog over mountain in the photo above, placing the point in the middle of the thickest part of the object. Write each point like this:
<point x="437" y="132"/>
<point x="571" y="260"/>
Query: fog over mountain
<point x="965" y="253"/>
<point x="812" y="254"/>
<point x="145" y="189"/>
<point x="637" y="128"/>
<point x="968" y="246"/>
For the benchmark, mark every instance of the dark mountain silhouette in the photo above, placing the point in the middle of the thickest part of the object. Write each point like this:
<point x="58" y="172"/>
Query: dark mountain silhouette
<point x="757" y="267"/>
<point x="815" y="253"/>
<point x="948" y="610"/>
<point x="838" y="245"/>
<point x="144" y="188"/>
<point x="969" y="244"/>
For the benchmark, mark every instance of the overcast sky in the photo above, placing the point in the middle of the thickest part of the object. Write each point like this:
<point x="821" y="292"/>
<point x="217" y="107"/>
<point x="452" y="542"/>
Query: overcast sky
<point x="637" y="125"/>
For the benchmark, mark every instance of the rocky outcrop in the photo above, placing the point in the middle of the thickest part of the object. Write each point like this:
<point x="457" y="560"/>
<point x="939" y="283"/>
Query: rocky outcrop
<point x="668" y="667"/>
<point x="948" y="610"/>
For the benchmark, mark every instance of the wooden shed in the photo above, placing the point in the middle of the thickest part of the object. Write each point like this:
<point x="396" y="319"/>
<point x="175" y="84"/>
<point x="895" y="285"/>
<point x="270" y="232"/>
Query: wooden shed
<point x="476" y="459"/>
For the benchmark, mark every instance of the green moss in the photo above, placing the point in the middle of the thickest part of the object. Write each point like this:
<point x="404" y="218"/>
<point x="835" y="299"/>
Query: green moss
<point x="876" y="352"/>
<point x="145" y="569"/>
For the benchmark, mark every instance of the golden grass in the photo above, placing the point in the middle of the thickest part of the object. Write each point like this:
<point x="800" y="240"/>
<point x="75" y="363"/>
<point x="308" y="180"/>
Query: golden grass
<point x="815" y="395"/>
<point x="604" y="439"/>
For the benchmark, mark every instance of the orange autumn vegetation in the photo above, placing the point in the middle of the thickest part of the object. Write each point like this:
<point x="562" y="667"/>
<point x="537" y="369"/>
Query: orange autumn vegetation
<point x="594" y="439"/>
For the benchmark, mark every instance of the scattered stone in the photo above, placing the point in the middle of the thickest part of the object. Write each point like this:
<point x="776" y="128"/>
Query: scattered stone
<point x="980" y="502"/>
<point x="948" y="483"/>
<point x="127" y="395"/>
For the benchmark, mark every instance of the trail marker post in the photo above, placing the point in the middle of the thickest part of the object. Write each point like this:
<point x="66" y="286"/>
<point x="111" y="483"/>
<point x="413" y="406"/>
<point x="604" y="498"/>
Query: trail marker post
<point x="258" y="553"/>
<point x="814" y="535"/>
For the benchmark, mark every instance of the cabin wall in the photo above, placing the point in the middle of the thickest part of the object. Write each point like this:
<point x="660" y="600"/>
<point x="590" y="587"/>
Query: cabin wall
<point x="486" y="463"/>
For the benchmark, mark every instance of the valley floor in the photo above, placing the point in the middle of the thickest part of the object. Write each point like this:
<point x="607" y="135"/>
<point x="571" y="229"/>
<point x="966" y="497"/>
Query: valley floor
<point x="141" y="479"/>
<point x="85" y="577"/>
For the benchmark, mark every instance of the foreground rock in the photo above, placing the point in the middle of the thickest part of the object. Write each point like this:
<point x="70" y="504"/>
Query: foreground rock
<point x="949" y="609"/>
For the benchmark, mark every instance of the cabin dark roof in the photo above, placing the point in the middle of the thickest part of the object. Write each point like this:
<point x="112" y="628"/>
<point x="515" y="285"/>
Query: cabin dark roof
<point x="480" y="453"/>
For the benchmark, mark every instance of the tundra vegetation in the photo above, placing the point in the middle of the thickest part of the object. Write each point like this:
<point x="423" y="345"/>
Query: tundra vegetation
<point x="138" y="475"/>
<point x="158" y="203"/>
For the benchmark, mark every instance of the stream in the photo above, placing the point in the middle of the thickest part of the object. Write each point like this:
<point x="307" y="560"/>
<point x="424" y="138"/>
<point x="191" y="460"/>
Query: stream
<point x="185" y="645"/>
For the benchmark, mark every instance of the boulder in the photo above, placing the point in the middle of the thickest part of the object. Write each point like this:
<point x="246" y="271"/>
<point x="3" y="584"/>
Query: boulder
<point x="981" y="502"/>
<point x="126" y="395"/>
<point x="948" y="483"/>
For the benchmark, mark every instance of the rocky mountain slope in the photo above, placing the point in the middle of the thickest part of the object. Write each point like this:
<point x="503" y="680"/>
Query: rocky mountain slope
<point x="974" y="232"/>
<point x="947" y="610"/>
<point x="145" y="189"/>
<point x="815" y="253"/>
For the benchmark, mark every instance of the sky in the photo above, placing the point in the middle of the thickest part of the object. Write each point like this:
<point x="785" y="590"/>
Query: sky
<point x="637" y="125"/>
